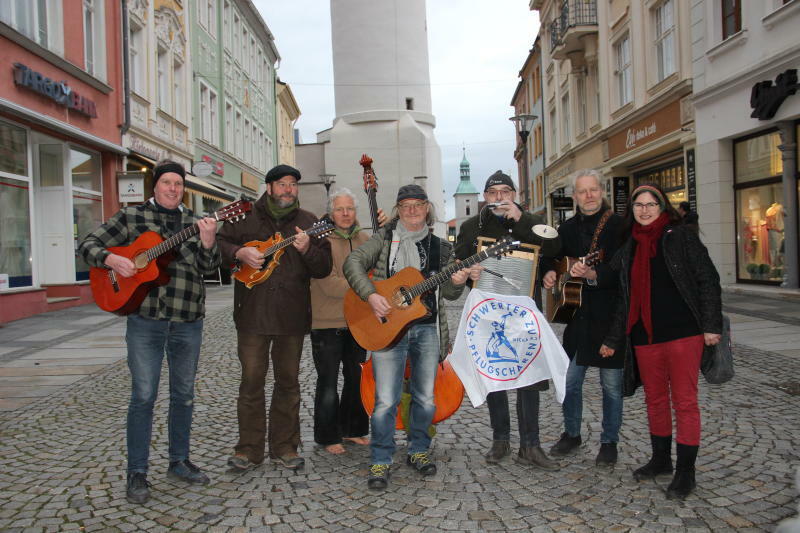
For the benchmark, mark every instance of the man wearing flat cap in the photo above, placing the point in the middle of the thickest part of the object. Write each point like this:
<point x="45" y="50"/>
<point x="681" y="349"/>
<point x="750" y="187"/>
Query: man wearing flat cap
<point x="170" y="318"/>
<point x="405" y="242"/>
<point x="502" y="217"/>
<point x="272" y="319"/>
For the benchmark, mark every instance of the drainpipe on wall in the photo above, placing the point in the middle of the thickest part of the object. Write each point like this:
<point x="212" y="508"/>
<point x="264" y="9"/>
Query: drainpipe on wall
<point x="788" y="148"/>
<point x="126" y="80"/>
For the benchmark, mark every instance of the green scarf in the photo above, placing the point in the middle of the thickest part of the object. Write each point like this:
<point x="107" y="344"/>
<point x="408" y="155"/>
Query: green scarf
<point x="349" y="233"/>
<point x="280" y="212"/>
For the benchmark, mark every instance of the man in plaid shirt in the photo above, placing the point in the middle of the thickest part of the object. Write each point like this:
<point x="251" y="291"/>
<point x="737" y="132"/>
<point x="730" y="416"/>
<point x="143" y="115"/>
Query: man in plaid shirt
<point x="170" y="319"/>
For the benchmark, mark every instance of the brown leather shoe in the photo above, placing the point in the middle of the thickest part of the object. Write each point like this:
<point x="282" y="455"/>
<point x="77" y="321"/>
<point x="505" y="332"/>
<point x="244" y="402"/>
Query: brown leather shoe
<point x="500" y="449"/>
<point x="535" y="456"/>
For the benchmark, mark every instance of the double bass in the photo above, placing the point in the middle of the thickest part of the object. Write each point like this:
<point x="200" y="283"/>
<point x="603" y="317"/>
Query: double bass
<point x="448" y="391"/>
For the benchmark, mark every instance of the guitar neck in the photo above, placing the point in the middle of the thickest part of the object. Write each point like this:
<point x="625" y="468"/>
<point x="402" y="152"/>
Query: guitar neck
<point x="168" y="244"/>
<point x="373" y="209"/>
<point x="281" y="245"/>
<point x="442" y="276"/>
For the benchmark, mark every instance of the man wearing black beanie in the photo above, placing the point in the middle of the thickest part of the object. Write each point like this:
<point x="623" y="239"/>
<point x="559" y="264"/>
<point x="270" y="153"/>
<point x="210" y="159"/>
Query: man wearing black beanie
<point x="170" y="316"/>
<point x="272" y="319"/>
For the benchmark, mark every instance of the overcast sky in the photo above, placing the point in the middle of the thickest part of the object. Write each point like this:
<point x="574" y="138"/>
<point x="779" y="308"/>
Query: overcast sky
<point x="476" y="49"/>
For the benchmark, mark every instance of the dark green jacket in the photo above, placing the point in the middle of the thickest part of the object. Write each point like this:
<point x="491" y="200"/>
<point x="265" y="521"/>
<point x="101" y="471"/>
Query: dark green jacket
<point x="374" y="254"/>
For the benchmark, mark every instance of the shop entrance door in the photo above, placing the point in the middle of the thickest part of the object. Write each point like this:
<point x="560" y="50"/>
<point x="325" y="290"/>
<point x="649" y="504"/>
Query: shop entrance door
<point x="53" y="219"/>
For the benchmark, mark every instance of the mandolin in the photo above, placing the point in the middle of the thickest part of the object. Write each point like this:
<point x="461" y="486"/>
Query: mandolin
<point x="404" y="292"/>
<point x="274" y="246"/>
<point x="149" y="253"/>
<point x="567" y="292"/>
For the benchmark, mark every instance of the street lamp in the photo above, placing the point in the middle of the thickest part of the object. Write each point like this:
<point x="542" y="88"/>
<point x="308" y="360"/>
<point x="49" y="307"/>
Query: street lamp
<point x="524" y="125"/>
<point x="328" y="180"/>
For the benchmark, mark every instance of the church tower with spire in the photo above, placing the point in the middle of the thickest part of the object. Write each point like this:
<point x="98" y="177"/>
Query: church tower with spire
<point x="466" y="195"/>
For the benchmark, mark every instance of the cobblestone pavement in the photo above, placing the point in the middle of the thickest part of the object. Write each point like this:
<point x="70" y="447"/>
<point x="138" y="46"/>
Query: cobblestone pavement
<point x="62" y="464"/>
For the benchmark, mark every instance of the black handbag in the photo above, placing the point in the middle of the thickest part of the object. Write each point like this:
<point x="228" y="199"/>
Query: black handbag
<point x="717" y="362"/>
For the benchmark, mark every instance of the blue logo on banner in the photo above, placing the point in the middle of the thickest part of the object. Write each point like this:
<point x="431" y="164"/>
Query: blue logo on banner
<point x="503" y="338"/>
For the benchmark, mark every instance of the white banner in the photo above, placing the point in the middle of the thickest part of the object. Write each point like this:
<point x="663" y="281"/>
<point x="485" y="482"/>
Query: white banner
<point x="504" y="342"/>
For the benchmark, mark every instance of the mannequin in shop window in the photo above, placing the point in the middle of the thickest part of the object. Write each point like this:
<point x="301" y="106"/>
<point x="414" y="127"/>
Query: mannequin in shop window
<point x="774" y="221"/>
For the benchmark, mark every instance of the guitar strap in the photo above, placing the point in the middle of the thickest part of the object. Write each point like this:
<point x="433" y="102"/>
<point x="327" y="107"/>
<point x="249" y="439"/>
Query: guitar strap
<point x="599" y="229"/>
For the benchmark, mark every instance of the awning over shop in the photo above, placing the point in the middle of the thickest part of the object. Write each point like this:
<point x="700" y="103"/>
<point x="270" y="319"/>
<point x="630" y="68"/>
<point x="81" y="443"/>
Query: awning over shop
<point x="207" y="189"/>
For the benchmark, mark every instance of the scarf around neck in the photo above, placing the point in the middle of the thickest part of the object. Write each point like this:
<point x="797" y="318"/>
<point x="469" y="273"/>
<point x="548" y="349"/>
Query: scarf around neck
<point x="348" y="233"/>
<point x="646" y="238"/>
<point x="404" y="252"/>
<point x="278" y="212"/>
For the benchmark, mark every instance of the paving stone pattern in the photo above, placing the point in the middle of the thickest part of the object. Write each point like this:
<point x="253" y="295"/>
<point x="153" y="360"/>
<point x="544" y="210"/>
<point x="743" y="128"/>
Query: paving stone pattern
<point x="62" y="464"/>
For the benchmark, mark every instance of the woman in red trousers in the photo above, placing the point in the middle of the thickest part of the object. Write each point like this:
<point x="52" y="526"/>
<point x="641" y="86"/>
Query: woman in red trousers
<point x="669" y="309"/>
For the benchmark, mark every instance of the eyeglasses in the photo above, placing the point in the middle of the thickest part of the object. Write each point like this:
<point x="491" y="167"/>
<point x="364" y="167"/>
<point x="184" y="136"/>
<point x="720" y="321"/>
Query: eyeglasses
<point x="649" y="205"/>
<point x="501" y="192"/>
<point x="411" y="206"/>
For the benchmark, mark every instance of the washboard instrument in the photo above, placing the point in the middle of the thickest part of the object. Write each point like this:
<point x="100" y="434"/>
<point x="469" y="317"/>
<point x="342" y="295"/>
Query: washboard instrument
<point x="518" y="268"/>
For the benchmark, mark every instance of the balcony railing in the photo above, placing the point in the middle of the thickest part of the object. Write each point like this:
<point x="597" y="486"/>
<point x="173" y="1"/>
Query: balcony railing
<point x="573" y="13"/>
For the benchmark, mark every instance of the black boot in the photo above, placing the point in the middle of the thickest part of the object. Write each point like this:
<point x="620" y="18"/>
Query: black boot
<point x="683" y="483"/>
<point x="660" y="463"/>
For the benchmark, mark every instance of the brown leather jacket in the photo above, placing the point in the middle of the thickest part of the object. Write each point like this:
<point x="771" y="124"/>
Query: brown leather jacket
<point x="282" y="304"/>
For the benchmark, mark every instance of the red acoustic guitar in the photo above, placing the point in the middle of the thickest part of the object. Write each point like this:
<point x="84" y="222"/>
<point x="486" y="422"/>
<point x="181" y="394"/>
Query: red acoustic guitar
<point x="404" y="292"/>
<point x="149" y="253"/>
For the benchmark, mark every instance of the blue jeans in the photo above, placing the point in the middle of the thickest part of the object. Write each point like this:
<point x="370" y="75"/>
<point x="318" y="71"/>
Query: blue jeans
<point x="421" y="345"/>
<point x="147" y="341"/>
<point x="611" y="382"/>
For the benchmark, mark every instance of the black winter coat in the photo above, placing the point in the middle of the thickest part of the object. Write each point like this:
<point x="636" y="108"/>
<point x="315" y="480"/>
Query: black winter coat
<point x="588" y="328"/>
<point x="694" y="275"/>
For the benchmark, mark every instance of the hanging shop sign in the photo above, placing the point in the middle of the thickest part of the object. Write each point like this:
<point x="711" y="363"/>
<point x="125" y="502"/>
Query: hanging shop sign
<point x="218" y="167"/>
<point x="58" y="91"/>
<point x="766" y="98"/>
<point x="691" y="179"/>
<point x="621" y="189"/>
<point x="130" y="186"/>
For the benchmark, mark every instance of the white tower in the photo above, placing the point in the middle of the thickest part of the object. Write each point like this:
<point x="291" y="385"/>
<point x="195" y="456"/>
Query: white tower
<point x="383" y="101"/>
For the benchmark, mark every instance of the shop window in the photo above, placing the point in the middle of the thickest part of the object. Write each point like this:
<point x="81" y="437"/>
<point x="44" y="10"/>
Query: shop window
<point x="13" y="150"/>
<point x="87" y="202"/>
<point x="760" y="223"/>
<point x="15" y="233"/>
<point x="671" y="178"/>
<point x="758" y="158"/>
<point x="760" y="219"/>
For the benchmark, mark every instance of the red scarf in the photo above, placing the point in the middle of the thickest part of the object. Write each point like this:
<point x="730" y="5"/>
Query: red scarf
<point x="646" y="238"/>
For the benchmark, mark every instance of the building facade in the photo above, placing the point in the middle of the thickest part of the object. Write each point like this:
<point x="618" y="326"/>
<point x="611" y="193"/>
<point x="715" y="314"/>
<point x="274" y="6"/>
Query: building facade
<point x="159" y="74"/>
<point x="60" y="146"/>
<point x="288" y="113"/>
<point x="234" y="97"/>
<point x="528" y="99"/>
<point x="746" y="62"/>
<point x="617" y="96"/>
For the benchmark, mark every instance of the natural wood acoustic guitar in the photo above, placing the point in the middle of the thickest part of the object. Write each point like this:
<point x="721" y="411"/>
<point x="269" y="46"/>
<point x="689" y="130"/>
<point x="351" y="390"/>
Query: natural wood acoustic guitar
<point x="150" y="254"/>
<point x="404" y="292"/>
<point x="567" y="292"/>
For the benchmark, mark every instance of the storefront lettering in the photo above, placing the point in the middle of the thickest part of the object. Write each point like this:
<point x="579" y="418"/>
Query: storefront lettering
<point x="765" y="98"/>
<point x="634" y="136"/>
<point x="138" y="145"/>
<point x="59" y="92"/>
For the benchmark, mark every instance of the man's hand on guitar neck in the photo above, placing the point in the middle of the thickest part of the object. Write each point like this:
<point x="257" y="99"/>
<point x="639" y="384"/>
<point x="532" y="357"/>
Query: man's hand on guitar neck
<point x="250" y="256"/>
<point x="121" y="265"/>
<point x="301" y="241"/>
<point x="208" y="231"/>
